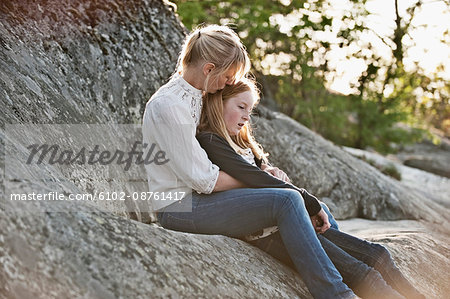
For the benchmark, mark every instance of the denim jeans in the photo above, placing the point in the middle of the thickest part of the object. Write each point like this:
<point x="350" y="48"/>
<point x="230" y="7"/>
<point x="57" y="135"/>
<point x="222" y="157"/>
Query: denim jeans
<point x="366" y="267"/>
<point x="240" y="212"/>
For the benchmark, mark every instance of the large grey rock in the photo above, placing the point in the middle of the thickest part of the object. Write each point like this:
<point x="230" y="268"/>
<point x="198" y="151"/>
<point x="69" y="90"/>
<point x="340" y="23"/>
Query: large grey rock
<point x="83" y="253"/>
<point x="83" y="62"/>
<point x="351" y="187"/>
<point x="420" y="249"/>
<point x="428" y="156"/>
<point x="90" y="254"/>
<point x="425" y="184"/>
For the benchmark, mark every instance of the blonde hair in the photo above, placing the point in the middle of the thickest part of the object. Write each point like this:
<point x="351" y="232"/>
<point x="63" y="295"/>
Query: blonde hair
<point x="218" y="45"/>
<point x="212" y="120"/>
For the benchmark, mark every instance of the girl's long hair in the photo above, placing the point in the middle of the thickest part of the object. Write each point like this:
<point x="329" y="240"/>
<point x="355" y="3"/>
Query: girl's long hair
<point x="211" y="119"/>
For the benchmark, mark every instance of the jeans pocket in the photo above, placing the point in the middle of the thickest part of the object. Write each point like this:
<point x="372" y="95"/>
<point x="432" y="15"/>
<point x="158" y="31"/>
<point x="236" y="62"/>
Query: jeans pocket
<point x="179" y="224"/>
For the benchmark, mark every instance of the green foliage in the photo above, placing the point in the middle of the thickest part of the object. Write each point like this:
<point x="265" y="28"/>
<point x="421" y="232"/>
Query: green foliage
<point x="390" y="169"/>
<point x="367" y="118"/>
<point x="310" y="103"/>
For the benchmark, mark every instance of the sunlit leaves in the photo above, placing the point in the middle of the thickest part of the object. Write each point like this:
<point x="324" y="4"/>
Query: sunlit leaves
<point x="300" y="46"/>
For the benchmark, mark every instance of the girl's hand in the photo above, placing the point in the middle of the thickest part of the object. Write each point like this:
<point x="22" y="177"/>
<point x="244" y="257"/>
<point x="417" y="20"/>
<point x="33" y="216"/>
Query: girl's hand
<point x="320" y="222"/>
<point x="276" y="172"/>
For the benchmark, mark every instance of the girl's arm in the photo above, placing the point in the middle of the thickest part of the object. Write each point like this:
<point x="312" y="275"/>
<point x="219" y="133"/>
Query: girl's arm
<point x="264" y="166"/>
<point x="276" y="172"/>
<point x="223" y="155"/>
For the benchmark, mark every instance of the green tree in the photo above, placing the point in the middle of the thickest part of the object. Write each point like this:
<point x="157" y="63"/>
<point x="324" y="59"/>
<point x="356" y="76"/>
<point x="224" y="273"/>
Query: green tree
<point x="394" y="93"/>
<point x="292" y="57"/>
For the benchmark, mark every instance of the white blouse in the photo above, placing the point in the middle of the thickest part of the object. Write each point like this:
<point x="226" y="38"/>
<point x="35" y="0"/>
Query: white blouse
<point x="170" y="120"/>
<point x="248" y="156"/>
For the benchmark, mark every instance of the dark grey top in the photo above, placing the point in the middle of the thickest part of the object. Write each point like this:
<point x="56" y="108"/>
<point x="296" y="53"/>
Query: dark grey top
<point x="223" y="155"/>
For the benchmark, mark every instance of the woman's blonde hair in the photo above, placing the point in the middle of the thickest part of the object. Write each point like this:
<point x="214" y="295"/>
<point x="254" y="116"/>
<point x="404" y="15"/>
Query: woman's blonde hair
<point x="218" y="45"/>
<point x="212" y="120"/>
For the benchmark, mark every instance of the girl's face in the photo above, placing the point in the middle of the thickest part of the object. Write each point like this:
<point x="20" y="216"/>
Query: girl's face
<point x="236" y="111"/>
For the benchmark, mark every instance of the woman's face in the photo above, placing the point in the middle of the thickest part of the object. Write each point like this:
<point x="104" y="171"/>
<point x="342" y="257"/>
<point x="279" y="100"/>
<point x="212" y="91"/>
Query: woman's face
<point x="218" y="83"/>
<point x="236" y="111"/>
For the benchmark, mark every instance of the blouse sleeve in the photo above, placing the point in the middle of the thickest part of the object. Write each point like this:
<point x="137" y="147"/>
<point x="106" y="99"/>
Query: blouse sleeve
<point x="173" y="129"/>
<point x="223" y="155"/>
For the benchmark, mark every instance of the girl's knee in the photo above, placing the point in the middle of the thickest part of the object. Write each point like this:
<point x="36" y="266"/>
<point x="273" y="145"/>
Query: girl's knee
<point x="289" y="201"/>
<point x="380" y="254"/>
<point x="292" y="197"/>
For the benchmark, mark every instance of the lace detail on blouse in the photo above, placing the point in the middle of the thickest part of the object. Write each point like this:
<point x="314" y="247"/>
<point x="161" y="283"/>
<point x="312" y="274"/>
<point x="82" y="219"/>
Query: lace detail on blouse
<point x="188" y="94"/>
<point x="265" y="232"/>
<point x="248" y="156"/>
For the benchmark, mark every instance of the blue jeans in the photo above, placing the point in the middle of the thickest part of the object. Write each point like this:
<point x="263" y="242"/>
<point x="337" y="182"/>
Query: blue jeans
<point x="366" y="267"/>
<point x="240" y="212"/>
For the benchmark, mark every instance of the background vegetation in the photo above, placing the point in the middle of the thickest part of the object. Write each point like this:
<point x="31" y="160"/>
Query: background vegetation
<point x="289" y="44"/>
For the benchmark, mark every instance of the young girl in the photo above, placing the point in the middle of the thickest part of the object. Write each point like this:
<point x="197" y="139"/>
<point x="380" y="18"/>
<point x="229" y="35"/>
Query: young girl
<point x="212" y="58"/>
<point x="225" y="134"/>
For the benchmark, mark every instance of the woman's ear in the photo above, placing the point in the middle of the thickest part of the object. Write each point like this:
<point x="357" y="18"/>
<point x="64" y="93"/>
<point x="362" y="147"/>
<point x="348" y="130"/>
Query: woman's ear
<point x="207" y="68"/>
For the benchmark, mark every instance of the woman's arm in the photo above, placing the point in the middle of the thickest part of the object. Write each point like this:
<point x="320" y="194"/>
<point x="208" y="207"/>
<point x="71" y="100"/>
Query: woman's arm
<point x="227" y="182"/>
<point x="223" y="155"/>
<point x="172" y="129"/>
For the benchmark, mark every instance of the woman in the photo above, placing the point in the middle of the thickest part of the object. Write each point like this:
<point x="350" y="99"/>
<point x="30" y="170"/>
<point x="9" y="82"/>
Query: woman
<point x="211" y="58"/>
<point x="225" y="134"/>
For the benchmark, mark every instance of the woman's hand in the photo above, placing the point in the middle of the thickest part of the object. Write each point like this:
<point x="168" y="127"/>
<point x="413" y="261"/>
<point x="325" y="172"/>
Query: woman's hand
<point x="276" y="172"/>
<point x="320" y="222"/>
